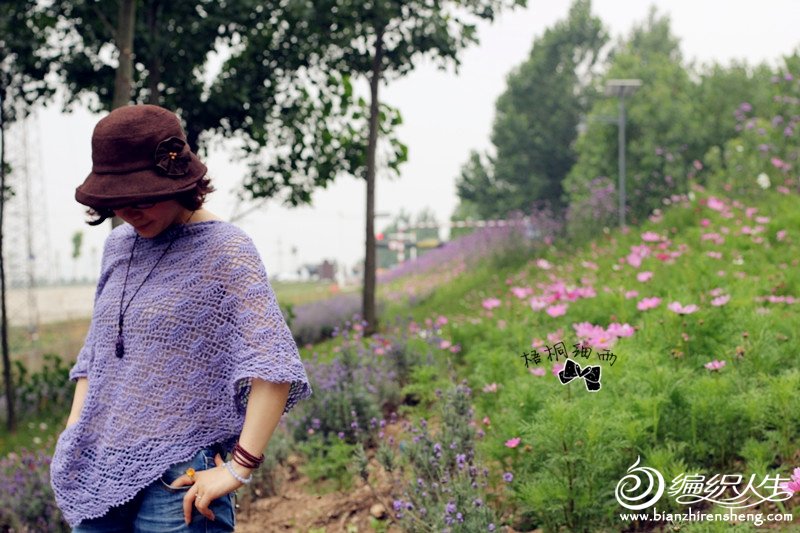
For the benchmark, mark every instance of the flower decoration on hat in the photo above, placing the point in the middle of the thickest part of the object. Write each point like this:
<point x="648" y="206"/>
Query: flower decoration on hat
<point x="172" y="157"/>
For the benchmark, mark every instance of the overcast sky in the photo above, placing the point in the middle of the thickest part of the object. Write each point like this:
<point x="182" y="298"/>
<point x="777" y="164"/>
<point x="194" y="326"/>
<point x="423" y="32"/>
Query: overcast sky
<point x="445" y="116"/>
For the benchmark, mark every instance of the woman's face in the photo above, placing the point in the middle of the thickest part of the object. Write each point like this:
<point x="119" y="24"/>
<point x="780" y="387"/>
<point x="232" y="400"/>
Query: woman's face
<point x="150" y="221"/>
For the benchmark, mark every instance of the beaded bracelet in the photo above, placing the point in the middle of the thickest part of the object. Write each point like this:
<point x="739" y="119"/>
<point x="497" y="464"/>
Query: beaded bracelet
<point x="239" y="478"/>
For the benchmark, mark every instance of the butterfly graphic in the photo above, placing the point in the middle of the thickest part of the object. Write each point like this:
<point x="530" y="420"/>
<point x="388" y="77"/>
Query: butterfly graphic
<point x="590" y="375"/>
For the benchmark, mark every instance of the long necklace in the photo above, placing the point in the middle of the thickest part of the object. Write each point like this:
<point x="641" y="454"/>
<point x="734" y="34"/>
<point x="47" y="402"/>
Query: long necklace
<point x="120" y="347"/>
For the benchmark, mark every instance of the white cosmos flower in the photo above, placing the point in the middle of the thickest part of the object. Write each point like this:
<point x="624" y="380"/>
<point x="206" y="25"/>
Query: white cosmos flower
<point x="763" y="181"/>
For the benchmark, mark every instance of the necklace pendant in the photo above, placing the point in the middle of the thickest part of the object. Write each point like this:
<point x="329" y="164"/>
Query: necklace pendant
<point x="120" y="346"/>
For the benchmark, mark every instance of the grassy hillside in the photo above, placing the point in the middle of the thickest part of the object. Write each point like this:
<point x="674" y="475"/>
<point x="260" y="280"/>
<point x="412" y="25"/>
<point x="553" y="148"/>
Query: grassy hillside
<point x="699" y="308"/>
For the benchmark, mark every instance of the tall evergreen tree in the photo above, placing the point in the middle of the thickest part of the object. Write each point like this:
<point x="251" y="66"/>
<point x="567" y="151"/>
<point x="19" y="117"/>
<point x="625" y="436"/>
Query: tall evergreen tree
<point x="537" y="118"/>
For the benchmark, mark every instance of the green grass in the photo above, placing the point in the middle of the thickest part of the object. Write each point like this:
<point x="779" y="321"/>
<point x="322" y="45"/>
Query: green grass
<point x="658" y="400"/>
<point x="299" y="293"/>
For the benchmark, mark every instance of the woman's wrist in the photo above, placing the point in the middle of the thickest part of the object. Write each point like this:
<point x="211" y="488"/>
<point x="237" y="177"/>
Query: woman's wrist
<point x="243" y="471"/>
<point x="244" y="480"/>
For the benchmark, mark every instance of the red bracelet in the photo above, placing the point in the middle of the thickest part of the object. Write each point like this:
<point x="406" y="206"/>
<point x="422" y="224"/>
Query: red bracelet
<point x="245" y="463"/>
<point x="245" y="458"/>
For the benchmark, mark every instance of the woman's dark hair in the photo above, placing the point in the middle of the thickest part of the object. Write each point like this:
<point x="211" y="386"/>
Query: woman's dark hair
<point x="192" y="200"/>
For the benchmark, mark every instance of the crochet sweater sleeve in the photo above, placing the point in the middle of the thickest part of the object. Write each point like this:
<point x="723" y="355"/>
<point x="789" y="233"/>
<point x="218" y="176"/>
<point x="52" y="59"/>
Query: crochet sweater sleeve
<point x="263" y="346"/>
<point x="84" y="360"/>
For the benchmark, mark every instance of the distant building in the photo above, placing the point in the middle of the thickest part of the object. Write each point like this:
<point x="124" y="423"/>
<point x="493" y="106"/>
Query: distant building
<point x="327" y="271"/>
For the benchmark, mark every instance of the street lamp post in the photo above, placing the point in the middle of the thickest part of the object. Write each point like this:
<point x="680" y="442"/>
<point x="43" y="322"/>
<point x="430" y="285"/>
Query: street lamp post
<point x="622" y="89"/>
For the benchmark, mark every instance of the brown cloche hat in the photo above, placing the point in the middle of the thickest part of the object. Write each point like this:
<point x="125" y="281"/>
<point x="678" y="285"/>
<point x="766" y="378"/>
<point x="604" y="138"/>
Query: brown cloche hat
<point x="139" y="153"/>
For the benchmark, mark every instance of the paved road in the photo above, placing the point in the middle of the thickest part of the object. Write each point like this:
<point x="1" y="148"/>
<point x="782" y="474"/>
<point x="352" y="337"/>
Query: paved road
<point x="53" y="304"/>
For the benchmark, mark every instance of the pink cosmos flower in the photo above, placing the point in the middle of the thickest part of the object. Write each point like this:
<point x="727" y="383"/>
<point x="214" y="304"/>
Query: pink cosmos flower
<point x="557" y="367"/>
<point x="644" y="276"/>
<point x="648" y="303"/>
<point x="602" y="341"/>
<point x="444" y="345"/>
<point x="716" y="204"/>
<point x="714" y="255"/>
<point x="585" y="330"/>
<point x="590" y="265"/>
<point x="556" y="335"/>
<point x="620" y="330"/>
<point x="634" y="260"/>
<point x="491" y="303"/>
<point x="491" y="387"/>
<point x="794" y="484"/>
<point x="651" y="236"/>
<point x="720" y="300"/>
<point x="631" y="294"/>
<point x="676" y="307"/>
<point x="716" y="238"/>
<point x="781" y="235"/>
<point x="538" y="371"/>
<point x="537" y="303"/>
<point x="557" y="310"/>
<point x="762" y="220"/>
<point x="537" y="343"/>
<point x="544" y="264"/>
<point x="750" y="211"/>
<point x="714" y="365"/>
<point x="705" y="223"/>
<point x="486" y="421"/>
<point x="716" y="292"/>
<point x="521" y="292"/>
<point x="513" y="443"/>
<point x="586" y="292"/>
<point x="455" y="348"/>
<point x="441" y="321"/>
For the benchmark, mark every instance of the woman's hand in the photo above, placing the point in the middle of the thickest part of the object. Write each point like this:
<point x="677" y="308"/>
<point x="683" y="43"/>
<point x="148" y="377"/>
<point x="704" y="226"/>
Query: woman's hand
<point x="208" y="485"/>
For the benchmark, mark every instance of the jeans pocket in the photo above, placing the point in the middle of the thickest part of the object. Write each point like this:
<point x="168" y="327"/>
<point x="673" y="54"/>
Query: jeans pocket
<point x="199" y="462"/>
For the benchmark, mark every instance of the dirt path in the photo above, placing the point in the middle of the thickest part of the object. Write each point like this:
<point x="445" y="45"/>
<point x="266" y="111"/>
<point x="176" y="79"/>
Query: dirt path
<point x="298" y="509"/>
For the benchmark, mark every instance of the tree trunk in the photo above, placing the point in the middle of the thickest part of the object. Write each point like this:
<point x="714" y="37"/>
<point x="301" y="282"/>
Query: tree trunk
<point x="123" y="79"/>
<point x="368" y="307"/>
<point x="11" y="421"/>
<point x="154" y="40"/>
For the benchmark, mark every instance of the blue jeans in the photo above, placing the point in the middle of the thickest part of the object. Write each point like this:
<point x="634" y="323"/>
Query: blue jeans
<point x="159" y="508"/>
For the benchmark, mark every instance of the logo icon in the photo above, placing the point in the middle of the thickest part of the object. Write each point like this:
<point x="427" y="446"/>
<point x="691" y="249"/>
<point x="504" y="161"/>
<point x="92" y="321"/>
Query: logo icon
<point x="631" y="491"/>
<point x="590" y="375"/>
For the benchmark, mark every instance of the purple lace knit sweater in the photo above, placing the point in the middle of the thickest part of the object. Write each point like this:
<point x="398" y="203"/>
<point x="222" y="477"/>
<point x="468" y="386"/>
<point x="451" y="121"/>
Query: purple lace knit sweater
<point x="203" y="324"/>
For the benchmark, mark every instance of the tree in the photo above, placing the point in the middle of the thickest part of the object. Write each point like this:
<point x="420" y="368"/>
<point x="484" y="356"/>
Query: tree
<point x="380" y="40"/>
<point x="537" y="118"/>
<point x="764" y="151"/>
<point x="718" y="93"/>
<point x="663" y="130"/>
<point x="22" y="71"/>
<point x="77" y="243"/>
<point x="297" y="121"/>
<point x="676" y="120"/>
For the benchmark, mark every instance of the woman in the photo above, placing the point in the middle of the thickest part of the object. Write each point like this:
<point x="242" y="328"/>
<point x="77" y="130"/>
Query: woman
<point x="187" y="358"/>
